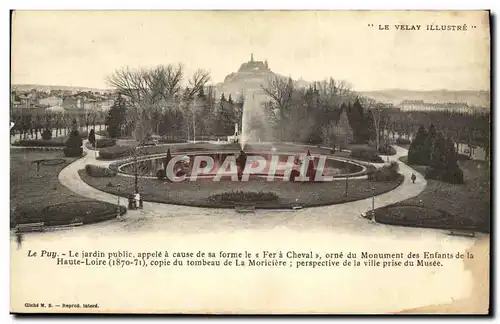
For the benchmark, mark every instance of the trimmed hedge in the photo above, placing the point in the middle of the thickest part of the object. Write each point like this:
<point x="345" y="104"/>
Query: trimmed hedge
<point x="74" y="145"/>
<point x="387" y="150"/>
<point x="244" y="196"/>
<point x="78" y="211"/>
<point x="105" y="142"/>
<point x="114" y="152"/>
<point x="366" y="154"/>
<point x="54" y="142"/>
<point x="47" y="134"/>
<point x="98" y="171"/>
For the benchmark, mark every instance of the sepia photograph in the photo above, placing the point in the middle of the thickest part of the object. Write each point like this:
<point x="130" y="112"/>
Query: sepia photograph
<point x="250" y="162"/>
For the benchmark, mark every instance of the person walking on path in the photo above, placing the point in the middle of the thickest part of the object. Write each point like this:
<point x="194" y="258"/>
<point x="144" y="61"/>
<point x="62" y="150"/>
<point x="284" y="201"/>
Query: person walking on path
<point x="413" y="177"/>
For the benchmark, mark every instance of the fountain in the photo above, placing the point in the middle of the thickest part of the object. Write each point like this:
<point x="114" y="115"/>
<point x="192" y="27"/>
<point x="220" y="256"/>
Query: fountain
<point x="252" y="114"/>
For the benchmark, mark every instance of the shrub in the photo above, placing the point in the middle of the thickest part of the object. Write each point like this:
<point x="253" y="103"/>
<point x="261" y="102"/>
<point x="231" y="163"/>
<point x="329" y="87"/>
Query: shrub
<point x="386" y="173"/>
<point x="54" y="142"/>
<point x="74" y="140"/>
<point x="314" y="138"/>
<point x="244" y="196"/>
<point x="98" y="171"/>
<point x="73" y="145"/>
<point x="366" y="154"/>
<point x="450" y="175"/>
<point x="47" y="134"/>
<point x="114" y="152"/>
<point x="160" y="174"/>
<point x="387" y="150"/>
<point x="105" y="142"/>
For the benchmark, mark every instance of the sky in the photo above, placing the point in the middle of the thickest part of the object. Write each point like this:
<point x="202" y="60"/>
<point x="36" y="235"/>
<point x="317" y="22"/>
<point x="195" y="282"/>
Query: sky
<point x="81" y="48"/>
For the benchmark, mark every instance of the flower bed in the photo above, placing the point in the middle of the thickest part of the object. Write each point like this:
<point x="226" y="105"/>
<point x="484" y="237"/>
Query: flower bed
<point x="366" y="154"/>
<point x="243" y="197"/>
<point x="98" y="171"/>
<point x="417" y="216"/>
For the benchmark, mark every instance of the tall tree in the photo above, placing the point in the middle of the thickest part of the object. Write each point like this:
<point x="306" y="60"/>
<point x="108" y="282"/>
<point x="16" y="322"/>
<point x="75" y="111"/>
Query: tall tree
<point x="439" y="153"/>
<point x="369" y="128"/>
<point x="343" y="130"/>
<point x="225" y="118"/>
<point x="116" y="118"/>
<point x="418" y="153"/>
<point x="357" y="121"/>
<point x="429" y="143"/>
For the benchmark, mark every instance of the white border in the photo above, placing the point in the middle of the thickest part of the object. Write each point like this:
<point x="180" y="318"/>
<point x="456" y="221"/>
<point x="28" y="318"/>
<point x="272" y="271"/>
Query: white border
<point x="185" y="4"/>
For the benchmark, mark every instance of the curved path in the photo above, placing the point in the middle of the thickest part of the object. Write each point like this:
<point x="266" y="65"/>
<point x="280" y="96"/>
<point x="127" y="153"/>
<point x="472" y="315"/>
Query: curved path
<point x="174" y="218"/>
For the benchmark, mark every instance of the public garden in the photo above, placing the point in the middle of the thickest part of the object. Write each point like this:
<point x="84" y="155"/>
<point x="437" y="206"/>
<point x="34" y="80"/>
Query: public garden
<point x="80" y="177"/>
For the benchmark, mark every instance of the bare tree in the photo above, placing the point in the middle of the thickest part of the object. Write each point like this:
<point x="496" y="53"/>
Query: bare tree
<point x="280" y="91"/>
<point x="198" y="81"/>
<point x="150" y="93"/>
<point x="333" y="93"/>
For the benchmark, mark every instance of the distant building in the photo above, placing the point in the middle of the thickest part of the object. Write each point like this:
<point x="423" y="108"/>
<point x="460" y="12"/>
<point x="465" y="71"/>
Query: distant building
<point x="420" y="105"/>
<point x="52" y="101"/>
<point x="72" y="102"/>
<point x="249" y="78"/>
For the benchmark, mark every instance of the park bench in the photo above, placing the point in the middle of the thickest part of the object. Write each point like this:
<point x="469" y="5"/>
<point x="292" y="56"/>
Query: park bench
<point x="30" y="227"/>
<point x="245" y="209"/>
<point x="468" y="233"/>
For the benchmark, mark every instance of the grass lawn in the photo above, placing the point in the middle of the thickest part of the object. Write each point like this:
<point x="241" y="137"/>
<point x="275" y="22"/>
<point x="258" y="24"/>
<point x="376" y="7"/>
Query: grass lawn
<point x="197" y="193"/>
<point x="36" y="197"/>
<point x="444" y="205"/>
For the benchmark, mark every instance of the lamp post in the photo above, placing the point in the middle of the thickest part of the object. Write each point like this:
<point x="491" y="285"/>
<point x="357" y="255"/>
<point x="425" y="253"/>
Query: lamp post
<point x="136" y="170"/>
<point x="373" y="204"/>
<point x="118" y="211"/>
<point x="346" y="184"/>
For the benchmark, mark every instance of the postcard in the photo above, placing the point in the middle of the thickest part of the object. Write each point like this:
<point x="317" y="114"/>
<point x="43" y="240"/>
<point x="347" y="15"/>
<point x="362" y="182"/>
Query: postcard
<point x="250" y="162"/>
